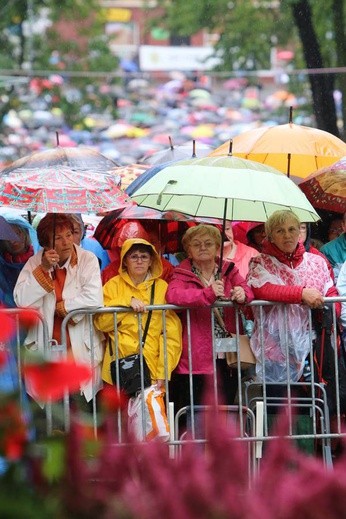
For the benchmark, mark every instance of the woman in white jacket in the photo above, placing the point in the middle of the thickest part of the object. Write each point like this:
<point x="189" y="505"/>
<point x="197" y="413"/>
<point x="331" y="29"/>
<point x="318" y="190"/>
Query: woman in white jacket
<point x="60" y="278"/>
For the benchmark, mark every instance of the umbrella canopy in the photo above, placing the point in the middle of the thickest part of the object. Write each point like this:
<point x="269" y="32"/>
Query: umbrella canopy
<point x="6" y="231"/>
<point x="149" y="173"/>
<point x="167" y="227"/>
<point x="293" y="149"/>
<point x="128" y="174"/>
<point x="326" y="188"/>
<point x="61" y="189"/>
<point x="226" y="188"/>
<point x="76" y="158"/>
<point x="175" y="153"/>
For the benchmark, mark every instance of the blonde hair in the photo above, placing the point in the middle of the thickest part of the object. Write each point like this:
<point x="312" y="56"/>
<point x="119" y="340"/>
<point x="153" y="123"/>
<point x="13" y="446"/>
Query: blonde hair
<point x="198" y="230"/>
<point x="278" y="218"/>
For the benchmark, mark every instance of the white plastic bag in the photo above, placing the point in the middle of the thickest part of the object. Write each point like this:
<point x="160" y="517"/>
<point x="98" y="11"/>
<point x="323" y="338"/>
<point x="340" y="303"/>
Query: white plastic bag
<point x="155" y="423"/>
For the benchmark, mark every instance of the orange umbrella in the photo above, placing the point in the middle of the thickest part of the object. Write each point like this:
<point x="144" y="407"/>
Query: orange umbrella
<point x="293" y="149"/>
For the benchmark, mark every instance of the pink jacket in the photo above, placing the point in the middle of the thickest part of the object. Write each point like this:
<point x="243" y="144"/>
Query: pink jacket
<point x="186" y="289"/>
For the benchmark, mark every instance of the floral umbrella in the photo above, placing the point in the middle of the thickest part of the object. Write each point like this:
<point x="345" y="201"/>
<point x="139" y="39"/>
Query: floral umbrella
<point x="326" y="188"/>
<point x="128" y="174"/>
<point x="60" y="180"/>
<point x="295" y="150"/>
<point x="61" y="189"/>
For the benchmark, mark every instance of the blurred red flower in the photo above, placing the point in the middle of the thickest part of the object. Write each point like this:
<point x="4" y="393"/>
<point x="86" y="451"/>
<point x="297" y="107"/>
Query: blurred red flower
<point x="13" y="430"/>
<point x="14" y="444"/>
<point x="7" y="326"/>
<point x="111" y="400"/>
<point x="50" y="380"/>
<point x="3" y="357"/>
<point x="28" y="317"/>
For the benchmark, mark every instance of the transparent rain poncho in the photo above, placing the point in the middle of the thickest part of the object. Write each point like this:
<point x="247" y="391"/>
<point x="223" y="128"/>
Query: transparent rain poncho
<point x="284" y="327"/>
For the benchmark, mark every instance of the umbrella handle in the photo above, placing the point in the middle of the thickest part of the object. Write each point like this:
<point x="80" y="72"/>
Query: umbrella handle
<point x="219" y="272"/>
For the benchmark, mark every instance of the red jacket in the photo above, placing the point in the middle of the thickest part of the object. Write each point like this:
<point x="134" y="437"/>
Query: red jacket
<point x="186" y="289"/>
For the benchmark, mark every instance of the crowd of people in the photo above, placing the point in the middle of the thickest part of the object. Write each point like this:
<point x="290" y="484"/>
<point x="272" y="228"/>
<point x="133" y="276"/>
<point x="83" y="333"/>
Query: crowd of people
<point x="56" y="269"/>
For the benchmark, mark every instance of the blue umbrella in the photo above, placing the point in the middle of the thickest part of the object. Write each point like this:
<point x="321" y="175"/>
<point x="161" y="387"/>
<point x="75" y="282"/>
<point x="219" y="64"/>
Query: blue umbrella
<point x="147" y="175"/>
<point x="6" y="231"/>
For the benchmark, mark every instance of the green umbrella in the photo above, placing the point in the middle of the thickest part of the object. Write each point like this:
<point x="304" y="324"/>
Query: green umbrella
<point x="228" y="188"/>
<point x="203" y="187"/>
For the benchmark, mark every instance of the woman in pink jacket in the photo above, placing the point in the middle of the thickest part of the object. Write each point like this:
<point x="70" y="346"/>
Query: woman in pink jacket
<point x="196" y="284"/>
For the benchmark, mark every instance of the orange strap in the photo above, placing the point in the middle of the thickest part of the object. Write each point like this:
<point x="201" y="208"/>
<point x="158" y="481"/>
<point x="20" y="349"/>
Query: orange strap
<point x="59" y="282"/>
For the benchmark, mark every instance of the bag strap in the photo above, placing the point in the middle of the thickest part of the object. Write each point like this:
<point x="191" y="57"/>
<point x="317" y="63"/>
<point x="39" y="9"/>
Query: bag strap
<point x="144" y="336"/>
<point x="219" y="319"/>
<point x="146" y="328"/>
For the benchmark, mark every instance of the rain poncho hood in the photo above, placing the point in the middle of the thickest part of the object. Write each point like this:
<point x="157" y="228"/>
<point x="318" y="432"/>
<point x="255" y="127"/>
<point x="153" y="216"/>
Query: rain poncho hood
<point x="17" y="219"/>
<point x="118" y="292"/>
<point x="9" y="272"/>
<point x="156" y="265"/>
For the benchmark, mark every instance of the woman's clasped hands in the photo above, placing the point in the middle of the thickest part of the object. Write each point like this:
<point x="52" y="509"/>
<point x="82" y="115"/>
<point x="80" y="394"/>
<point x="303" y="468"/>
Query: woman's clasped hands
<point x="237" y="293"/>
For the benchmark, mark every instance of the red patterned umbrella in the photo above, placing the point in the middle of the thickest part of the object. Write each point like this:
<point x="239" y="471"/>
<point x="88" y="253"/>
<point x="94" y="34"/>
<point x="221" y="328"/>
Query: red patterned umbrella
<point x="326" y="188"/>
<point x="60" y="180"/>
<point x="61" y="189"/>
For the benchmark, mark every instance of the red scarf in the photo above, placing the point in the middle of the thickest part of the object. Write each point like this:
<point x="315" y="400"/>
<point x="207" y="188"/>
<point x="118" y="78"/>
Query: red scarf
<point x="292" y="259"/>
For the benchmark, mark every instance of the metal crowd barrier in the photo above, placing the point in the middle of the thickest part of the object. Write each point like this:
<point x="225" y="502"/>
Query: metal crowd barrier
<point x="257" y="402"/>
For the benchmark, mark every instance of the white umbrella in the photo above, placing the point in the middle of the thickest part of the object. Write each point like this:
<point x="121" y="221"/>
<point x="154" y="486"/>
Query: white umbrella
<point x="227" y="188"/>
<point x="224" y="187"/>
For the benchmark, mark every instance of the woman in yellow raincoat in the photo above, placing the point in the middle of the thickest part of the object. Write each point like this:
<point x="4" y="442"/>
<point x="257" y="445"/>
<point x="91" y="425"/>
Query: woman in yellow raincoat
<point x="140" y="267"/>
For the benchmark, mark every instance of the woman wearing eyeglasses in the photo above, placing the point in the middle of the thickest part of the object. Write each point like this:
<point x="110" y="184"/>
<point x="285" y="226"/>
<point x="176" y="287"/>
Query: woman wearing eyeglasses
<point x="140" y="267"/>
<point x="197" y="284"/>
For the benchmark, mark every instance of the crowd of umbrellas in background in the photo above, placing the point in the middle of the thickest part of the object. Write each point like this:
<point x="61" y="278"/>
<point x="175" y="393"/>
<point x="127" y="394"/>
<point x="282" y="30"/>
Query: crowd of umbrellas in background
<point x="239" y="169"/>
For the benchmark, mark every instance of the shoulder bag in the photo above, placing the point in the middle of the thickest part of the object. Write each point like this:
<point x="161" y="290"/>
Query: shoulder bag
<point x="247" y="357"/>
<point x="129" y="368"/>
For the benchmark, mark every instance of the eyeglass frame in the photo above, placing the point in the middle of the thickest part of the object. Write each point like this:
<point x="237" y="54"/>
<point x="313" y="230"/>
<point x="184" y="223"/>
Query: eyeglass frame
<point x="144" y="257"/>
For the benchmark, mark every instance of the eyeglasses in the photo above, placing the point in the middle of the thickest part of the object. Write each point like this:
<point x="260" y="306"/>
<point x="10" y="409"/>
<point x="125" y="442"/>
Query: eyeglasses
<point x="205" y="244"/>
<point x="140" y="257"/>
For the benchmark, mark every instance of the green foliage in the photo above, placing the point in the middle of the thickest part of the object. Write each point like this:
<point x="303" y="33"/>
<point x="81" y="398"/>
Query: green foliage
<point x="248" y="29"/>
<point x="247" y="32"/>
<point x="18" y="498"/>
<point x="14" y="46"/>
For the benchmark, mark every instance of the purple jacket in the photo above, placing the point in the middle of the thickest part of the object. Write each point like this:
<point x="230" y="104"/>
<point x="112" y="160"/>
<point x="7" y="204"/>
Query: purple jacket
<point x="186" y="289"/>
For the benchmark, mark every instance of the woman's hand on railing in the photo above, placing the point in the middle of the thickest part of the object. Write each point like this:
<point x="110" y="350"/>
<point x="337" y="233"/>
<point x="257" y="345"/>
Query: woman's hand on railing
<point x="218" y="288"/>
<point x="238" y="295"/>
<point x="312" y="297"/>
<point x="137" y="305"/>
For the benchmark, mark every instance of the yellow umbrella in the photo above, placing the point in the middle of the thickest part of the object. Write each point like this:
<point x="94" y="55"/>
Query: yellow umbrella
<point x="293" y="149"/>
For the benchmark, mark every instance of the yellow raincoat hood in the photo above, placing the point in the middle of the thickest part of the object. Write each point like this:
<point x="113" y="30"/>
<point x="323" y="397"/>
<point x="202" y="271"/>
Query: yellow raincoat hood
<point x="156" y="265"/>
<point x="119" y="291"/>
